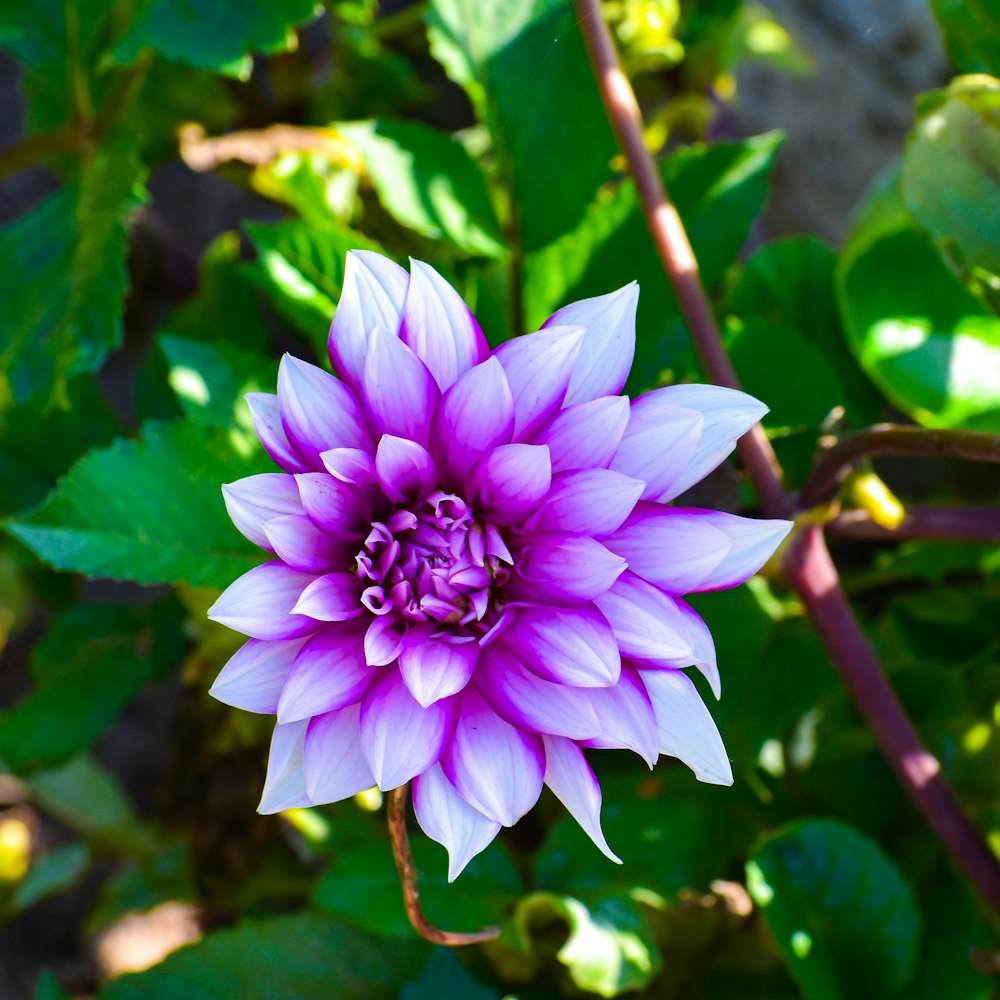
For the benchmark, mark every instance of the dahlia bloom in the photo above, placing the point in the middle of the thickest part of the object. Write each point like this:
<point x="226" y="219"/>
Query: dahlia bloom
<point x="476" y="572"/>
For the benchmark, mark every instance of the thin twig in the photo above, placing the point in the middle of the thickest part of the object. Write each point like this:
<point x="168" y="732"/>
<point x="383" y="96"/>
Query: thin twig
<point x="960" y="524"/>
<point x="807" y="565"/>
<point x="834" y="464"/>
<point x="673" y="246"/>
<point x="408" y="878"/>
<point x="810" y="570"/>
<point x="40" y="146"/>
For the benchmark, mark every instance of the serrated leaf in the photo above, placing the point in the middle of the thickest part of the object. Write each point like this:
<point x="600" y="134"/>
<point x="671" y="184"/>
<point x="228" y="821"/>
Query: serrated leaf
<point x="308" y="956"/>
<point x="842" y="914"/>
<point x="64" y="278"/>
<point x="214" y="34"/>
<point x="428" y="182"/>
<point x="150" y="510"/>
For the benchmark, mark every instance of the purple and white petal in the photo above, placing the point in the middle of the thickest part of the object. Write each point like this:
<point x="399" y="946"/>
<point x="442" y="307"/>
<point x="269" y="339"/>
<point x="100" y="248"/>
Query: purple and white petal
<point x="261" y="603"/>
<point x="253" y="677"/>
<point x="339" y="509"/>
<point x="334" y="597"/>
<point x="267" y="424"/>
<point x="334" y="764"/>
<point x="440" y="327"/>
<point x="496" y="767"/>
<point x="608" y="345"/>
<point x="399" y="737"/>
<point x="318" y="412"/>
<point x="573" y="782"/>
<point x="300" y="544"/>
<point x="330" y="672"/>
<point x="405" y="469"/>
<point x="573" y="646"/>
<point x="687" y="730"/>
<point x="285" y="784"/>
<point x="538" y="369"/>
<point x="627" y="717"/>
<point x="254" y="501"/>
<point x="384" y="640"/>
<point x="399" y="392"/>
<point x="435" y="667"/>
<point x="373" y="295"/>
<point x="587" y="502"/>
<point x="475" y="416"/>
<point x="350" y="465"/>
<point x="586" y="435"/>
<point x="559" y="568"/>
<point x="508" y="484"/>
<point x="447" y="818"/>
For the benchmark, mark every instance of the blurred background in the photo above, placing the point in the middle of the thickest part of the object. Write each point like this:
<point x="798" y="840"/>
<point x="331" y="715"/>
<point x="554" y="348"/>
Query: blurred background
<point x="179" y="185"/>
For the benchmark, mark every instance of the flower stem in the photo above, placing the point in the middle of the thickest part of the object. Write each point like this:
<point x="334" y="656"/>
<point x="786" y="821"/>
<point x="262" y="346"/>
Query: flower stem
<point x="408" y="878"/>
<point x="807" y="566"/>
<point x="837" y="461"/>
<point x="966" y="524"/>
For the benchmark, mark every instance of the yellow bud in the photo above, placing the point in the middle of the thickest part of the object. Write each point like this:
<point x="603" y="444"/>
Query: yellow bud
<point x="15" y="848"/>
<point x="867" y="491"/>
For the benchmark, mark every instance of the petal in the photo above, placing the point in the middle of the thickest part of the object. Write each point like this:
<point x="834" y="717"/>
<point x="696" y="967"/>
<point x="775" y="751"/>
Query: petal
<point x="337" y="508"/>
<point x="538" y="368"/>
<point x="586" y="435"/>
<point x="253" y="677"/>
<point x="435" y="668"/>
<point x="608" y="345"/>
<point x="476" y="415"/>
<point x="576" y="786"/>
<point x="285" y="785"/>
<point x="254" y="501"/>
<point x="373" y="295"/>
<point x="658" y="444"/>
<point x="726" y="415"/>
<point x="524" y="700"/>
<point x="334" y="764"/>
<point x="439" y="326"/>
<point x="300" y="544"/>
<point x="384" y="640"/>
<point x="267" y="424"/>
<point x="647" y="623"/>
<point x="508" y="484"/>
<point x="572" y="646"/>
<point x="559" y="568"/>
<point x="447" y="818"/>
<point x="675" y="548"/>
<point x="260" y="603"/>
<point x="400" y="739"/>
<point x="350" y="465"/>
<point x="627" y="717"/>
<point x="318" y="412"/>
<point x="335" y="597"/>
<point x="702" y="646"/>
<point x="330" y="672"/>
<point x="399" y="392"/>
<point x="496" y="767"/>
<point x="686" y="728"/>
<point x="405" y="469"/>
<point x="587" y="502"/>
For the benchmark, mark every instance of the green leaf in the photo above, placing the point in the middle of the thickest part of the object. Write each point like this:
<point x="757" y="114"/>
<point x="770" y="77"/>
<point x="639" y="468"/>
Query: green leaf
<point x="719" y="191"/>
<point x="64" y="278"/>
<point x="83" y="796"/>
<point x="842" y="914"/>
<point x="215" y="34"/>
<point x="428" y="182"/>
<point x="54" y="871"/>
<point x="525" y="68"/>
<point x="48" y="988"/>
<point x="918" y="332"/>
<point x="308" y="956"/>
<point x="971" y="30"/>
<point x="149" y="511"/>
<point x="445" y="976"/>
<point x="950" y="181"/>
<point x="300" y="267"/>
<point x="87" y="668"/>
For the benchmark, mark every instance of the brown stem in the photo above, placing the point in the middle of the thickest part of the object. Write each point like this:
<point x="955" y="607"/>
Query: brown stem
<point x="40" y="146"/>
<point x="807" y="566"/>
<point x="836" y="462"/>
<point x="810" y="570"/>
<point x="967" y="524"/>
<point x="673" y="246"/>
<point x="408" y="878"/>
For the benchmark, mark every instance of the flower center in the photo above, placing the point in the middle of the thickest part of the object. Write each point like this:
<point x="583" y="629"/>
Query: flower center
<point x="434" y="562"/>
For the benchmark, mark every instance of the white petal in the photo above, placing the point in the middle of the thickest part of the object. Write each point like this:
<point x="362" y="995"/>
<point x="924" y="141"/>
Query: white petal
<point x="254" y="501"/>
<point x="253" y="678"/>
<point x="335" y="767"/>
<point x="285" y="785"/>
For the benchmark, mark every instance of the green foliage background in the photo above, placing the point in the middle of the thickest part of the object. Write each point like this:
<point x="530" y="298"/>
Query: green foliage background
<point x="468" y="133"/>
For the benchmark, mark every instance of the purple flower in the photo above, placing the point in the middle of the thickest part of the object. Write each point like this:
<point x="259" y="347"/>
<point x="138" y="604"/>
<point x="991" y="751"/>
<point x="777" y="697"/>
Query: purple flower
<point x="476" y="572"/>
